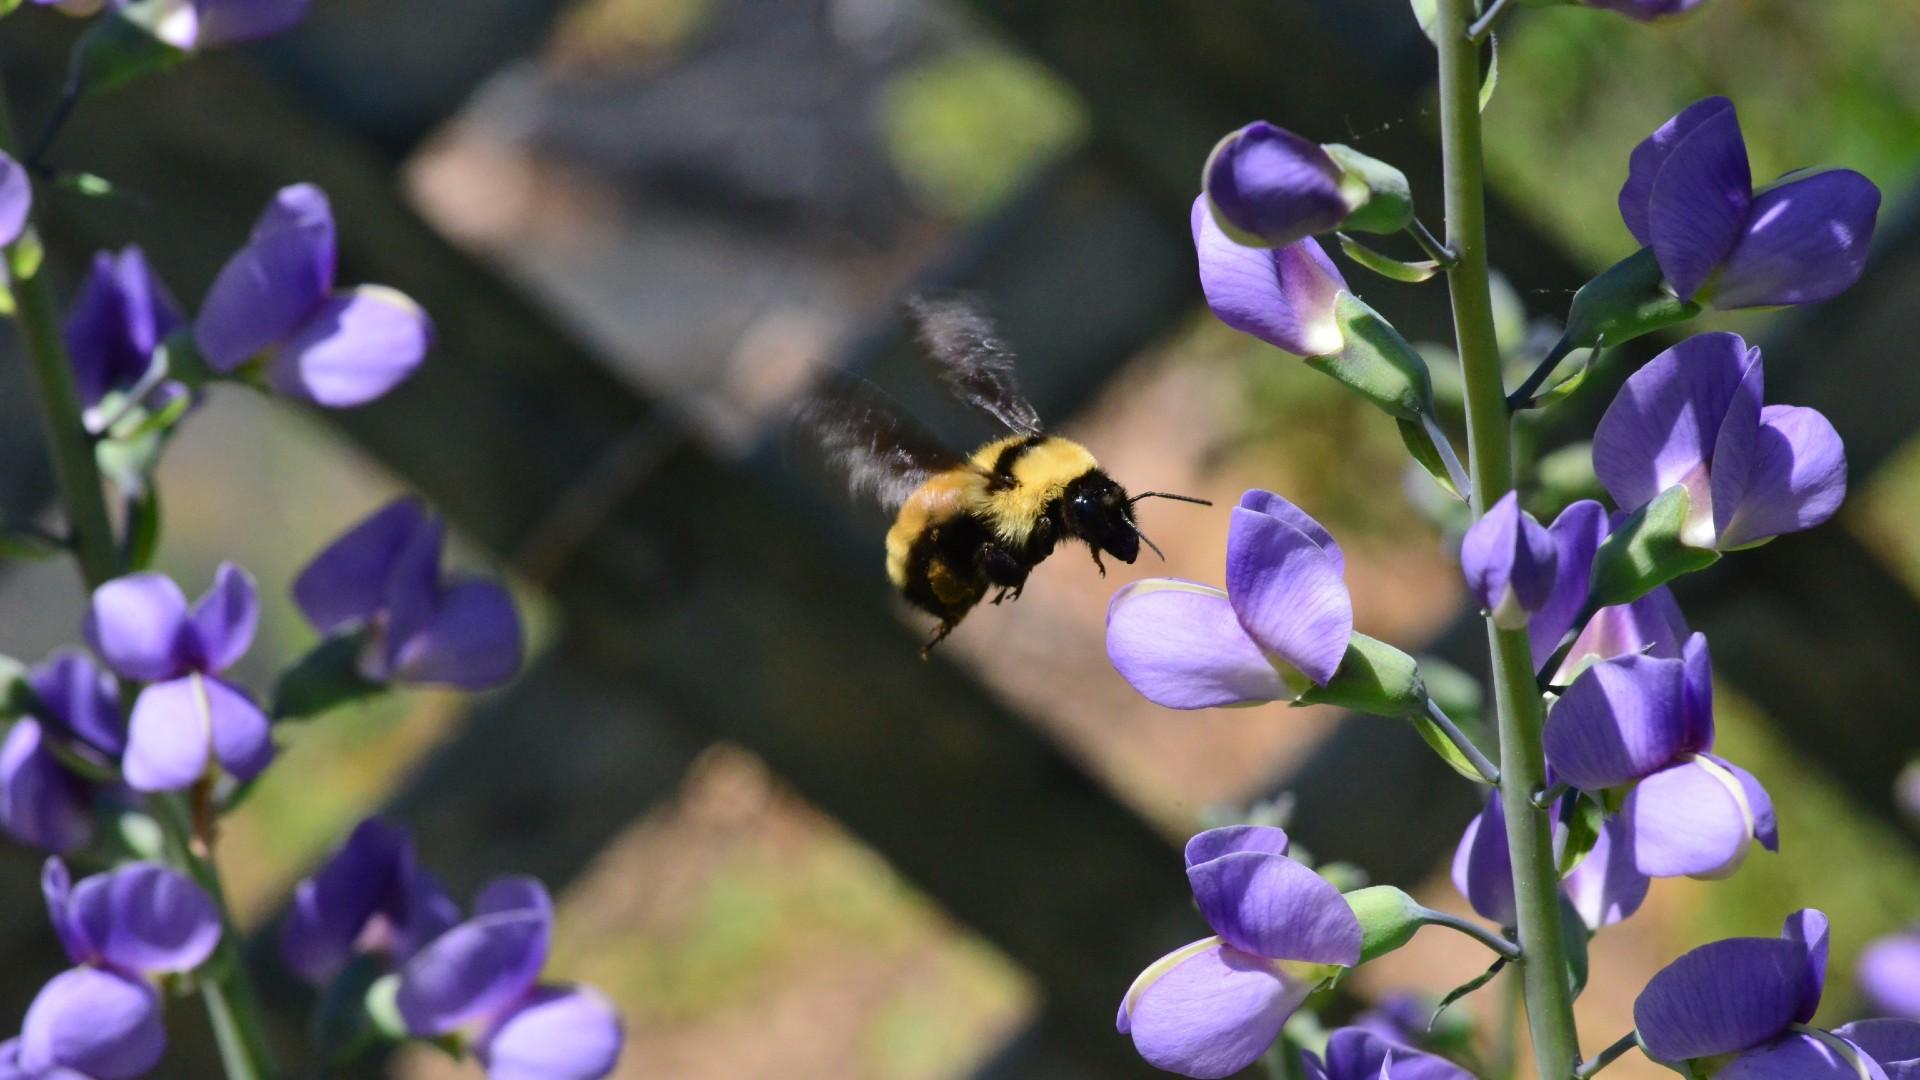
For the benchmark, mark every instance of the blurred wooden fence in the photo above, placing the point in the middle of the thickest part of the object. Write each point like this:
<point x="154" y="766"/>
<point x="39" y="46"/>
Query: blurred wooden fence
<point x="678" y="629"/>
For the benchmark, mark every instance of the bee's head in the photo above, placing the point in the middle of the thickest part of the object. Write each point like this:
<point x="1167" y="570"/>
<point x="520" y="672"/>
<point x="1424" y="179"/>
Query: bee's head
<point x="1098" y="511"/>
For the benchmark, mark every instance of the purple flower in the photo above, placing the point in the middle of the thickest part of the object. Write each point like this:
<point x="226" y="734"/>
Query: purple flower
<point x="1279" y="628"/>
<point x="1211" y="1008"/>
<point x="1693" y="417"/>
<point x="1652" y="625"/>
<point x="117" y="323"/>
<point x="481" y="978"/>
<point x="1889" y="973"/>
<point x="1356" y="1054"/>
<point x="1276" y="188"/>
<point x="141" y="626"/>
<point x="1689" y="196"/>
<point x="1645" y="10"/>
<point x="1511" y="563"/>
<point x="1647" y="723"/>
<point x="16" y="199"/>
<point x="1893" y="1043"/>
<point x="276" y="297"/>
<point x="1605" y="887"/>
<point x="101" y="1019"/>
<point x="383" y="576"/>
<point x="1747" y="1001"/>
<point x="43" y="803"/>
<point x="191" y="25"/>
<point x="1283" y="296"/>
<point x="371" y="896"/>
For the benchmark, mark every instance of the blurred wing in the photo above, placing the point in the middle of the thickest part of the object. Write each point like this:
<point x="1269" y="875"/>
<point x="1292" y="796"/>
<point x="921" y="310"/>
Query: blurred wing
<point x="976" y="364"/>
<point x="858" y="433"/>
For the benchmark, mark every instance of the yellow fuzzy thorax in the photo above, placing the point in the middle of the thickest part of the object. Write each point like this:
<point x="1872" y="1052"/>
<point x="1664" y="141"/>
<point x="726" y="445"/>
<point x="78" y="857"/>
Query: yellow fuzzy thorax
<point x="1040" y="475"/>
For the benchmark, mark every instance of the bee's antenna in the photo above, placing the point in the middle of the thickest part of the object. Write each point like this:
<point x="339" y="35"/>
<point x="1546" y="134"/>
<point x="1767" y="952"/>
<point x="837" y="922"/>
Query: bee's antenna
<point x="1167" y="495"/>
<point x="1149" y="543"/>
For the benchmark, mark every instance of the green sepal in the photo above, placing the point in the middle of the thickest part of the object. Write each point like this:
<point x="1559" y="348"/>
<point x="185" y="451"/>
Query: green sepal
<point x="1646" y="552"/>
<point x="383" y="1007"/>
<point x="16" y="692"/>
<point x="119" y="48"/>
<point x="8" y="7"/>
<point x="1379" y="193"/>
<point x="1627" y="300"/>
<point x="1411" y="273"/>
<point x="1376" y="362"/>
<point x="1583" y="818"/>
<point x="1388" y="919"/>
<point x="143" y="530"/>
<point x="324" y="679"/>
<point x="184" y="362"/>
<point x="25" y="256"/>
<point x="1375" y="678"/>
<point x="1574" y="936"/>
<point x="1419" y="443"/>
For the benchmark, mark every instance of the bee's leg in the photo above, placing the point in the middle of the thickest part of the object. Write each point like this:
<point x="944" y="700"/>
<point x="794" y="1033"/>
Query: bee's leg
<point x="1102" y="567"/>
<point x="939" y="635"/>
<point x="1004" y="569"/>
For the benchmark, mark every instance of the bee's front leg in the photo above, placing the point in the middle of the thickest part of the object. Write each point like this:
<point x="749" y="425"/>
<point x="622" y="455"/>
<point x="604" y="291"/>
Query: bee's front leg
<point x="1005" y="569"/>
<point x="1102" y="567"/>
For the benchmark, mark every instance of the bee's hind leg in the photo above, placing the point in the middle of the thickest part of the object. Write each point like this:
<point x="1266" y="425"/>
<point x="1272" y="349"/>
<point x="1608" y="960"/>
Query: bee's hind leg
<point x="1098" y="565"/>
<point x="939" y="635"/>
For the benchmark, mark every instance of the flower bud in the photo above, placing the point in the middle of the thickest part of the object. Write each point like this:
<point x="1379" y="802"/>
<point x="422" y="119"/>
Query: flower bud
<point x="1268" y="187"/>
<point x="1510" y="563"/>
<point x="1388" y="919"/>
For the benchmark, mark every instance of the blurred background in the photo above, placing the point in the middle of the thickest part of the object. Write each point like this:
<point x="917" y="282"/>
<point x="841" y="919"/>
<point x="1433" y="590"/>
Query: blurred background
<point x="784" y="844"/>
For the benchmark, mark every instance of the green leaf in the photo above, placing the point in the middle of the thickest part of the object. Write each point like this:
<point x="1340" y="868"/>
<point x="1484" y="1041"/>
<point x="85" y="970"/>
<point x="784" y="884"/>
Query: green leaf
<point x="1388" y="919"/>
<point x="1493" y="71"/>
<point x="1376" y="362"/>
<point x="1569" y="386"/>
<point x="1647" y="552"/>
<point x="1627" y="300"/>
<point x="1583" y="818"/>
<point x="119" y="48"/>
<point x="143" y="530"/>
<point x="324" y="679"/>
<point x="1431" y="734"/>
<point x="1464" y="989"/>
<point x="1419" y="443"/>
<point x="1573" y="938"/>
<point x="7" y="7"/>
<point x="1375" y="678"/>
<point x="1386" y="266"/>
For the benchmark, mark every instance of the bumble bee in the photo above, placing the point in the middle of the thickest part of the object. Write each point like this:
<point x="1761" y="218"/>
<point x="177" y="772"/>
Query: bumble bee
<point x="965" y="526"/>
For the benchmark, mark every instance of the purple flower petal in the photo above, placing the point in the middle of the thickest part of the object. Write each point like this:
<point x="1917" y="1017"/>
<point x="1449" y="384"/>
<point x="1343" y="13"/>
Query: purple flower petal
<point x="331" y="908"/>
<point x="1651" y="156"/>
<point x="1808" y="928"/>
<point x="1274" y="506"/>
<point x="477" y="970"/>
<point x="1510" y="561"/>
<point x="242" y="734"/>
<point x="98" y="1023"/>
<point x="1288" y="594"/>
<point x="1621" y="720"/>
<point x="272" y="285"/>
<point x="1646" y="10"/>
<point x="1652" y="625"/>
<point x="356" y="347"/>
<point x="1275" y="185"/>
<point x="1889" y="974"/>
<point x="1356" y="1054"/>
<point x="1804" y="242"/>
<point x="1576" y="535"/>
<point x="56" y="885"/>
<point x="42" y="805"/>
<point x="1801" y="1056"/>
<point x="1797" y="480"/>
<point x="412" y="591"/>
<point x="1766" y="827"/>
<point x="1699" y="202"/>
<point x="1721" y="998"/>
<point x="1283" y="296"/>
<point x="346" y="584"/>
<point x="559" y="1034"/>
<point x="225" y="618"/>
<point x="473" y="641"/>
<point x="1696" y="692"/>
<point x="1180" y="646"/>
<point x="1209" y="1010"/>
<point x="1687" y="821"/>
<point x="146" y="919"/>
<point x="1607" y="887"/>
<point x="230" y="22"/>
<point x="16" y="199"/>
<point x="1734" y="447"/>
<point x="138" y="625"/>
<point x="1661" y="429"/>
<point x="1271" y="906"/>
<point x="121" y="315"/>
<point x="168" y="737"/>
<point x="1482" y="869"/>
<point x="80" y="701"/>
<point x="1213" y="843"/>
<point x="1895" y="1044"/>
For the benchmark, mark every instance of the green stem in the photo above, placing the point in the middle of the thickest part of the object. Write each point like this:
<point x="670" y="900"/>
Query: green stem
<point x="75" y="471"/>
<point x="1522" y="397"/>
<point x="1473" y="930"/>
<point x="1522" y="766"/>
<point x="233" y="1008"/>
<point x="1481" y="29"/>
<point x="1461" y="743"/>
<point x="1608" y="1056"/>
<point x="1435" y="250"/>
